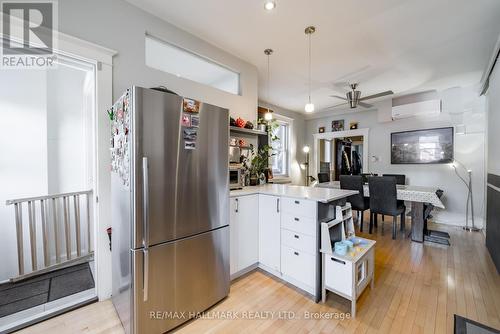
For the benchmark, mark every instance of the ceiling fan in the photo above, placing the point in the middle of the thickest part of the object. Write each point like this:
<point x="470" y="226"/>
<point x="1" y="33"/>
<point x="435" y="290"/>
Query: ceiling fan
<point x="354" y="99"/>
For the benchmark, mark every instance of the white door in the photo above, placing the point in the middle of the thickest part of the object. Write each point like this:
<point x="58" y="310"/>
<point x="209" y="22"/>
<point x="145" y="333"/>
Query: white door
<point x="233" y="235"/>
<point x="248" y="231"/>
<point x="269" y="231"/>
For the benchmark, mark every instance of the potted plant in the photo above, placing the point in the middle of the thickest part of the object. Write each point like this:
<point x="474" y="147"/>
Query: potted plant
<point x="261" y="124"/>
<point x="256" y="166"/>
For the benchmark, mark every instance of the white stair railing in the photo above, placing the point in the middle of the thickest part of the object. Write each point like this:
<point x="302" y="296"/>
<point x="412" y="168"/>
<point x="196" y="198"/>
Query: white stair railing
<point x="62" y="240"/>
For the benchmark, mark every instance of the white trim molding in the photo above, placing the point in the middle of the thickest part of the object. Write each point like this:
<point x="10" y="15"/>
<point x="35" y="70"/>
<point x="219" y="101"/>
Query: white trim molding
<point x="102" y="59"/>
<point x="341" y="134"/>
<point x="484" y="82"/>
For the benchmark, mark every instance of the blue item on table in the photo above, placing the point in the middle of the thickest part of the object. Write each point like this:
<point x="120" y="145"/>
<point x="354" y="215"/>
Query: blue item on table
<point x="341" y="248"/>
<point x="357" y="241"/>
<point x="349" y="244"/>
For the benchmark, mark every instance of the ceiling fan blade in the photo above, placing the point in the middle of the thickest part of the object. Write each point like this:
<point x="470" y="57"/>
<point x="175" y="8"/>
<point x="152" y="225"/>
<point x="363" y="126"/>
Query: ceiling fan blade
<point x="335" y="106"/>
<point x="339" y="97"/>
<point x="365" y="105"/>
<point x="387" y="92"/>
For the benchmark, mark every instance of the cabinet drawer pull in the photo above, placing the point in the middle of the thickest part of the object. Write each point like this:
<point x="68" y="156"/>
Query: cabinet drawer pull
<point x="297" y="202"/>
<point x="296" y="236"/>
<point x="336" y="260"/>
<point x="237" y="205"/>
<point x="296" y="219"/>
<point x="296" y="253"/>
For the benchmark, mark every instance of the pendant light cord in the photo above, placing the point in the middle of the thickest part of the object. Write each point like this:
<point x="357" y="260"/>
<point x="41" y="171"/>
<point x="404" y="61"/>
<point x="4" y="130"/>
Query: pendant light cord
<point x="268" y="80"/>
<point x="309" y="68"/>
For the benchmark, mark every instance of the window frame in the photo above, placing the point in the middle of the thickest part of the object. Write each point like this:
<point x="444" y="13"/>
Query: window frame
<point x="287" y="147"/>
<point x="193" y="56"/>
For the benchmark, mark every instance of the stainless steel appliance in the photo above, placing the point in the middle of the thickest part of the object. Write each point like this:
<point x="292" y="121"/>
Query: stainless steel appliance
<point x="235" y="178"/>
<point x="170" y="207"/>
<point x="234" y="154"/>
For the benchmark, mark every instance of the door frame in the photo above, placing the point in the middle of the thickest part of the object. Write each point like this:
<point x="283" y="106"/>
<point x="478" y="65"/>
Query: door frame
<point x="341" y="134"/>
<point x="102" y="59"/>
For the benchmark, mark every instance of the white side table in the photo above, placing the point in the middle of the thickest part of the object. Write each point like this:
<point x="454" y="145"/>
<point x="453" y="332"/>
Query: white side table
<point x="350" y="274"/>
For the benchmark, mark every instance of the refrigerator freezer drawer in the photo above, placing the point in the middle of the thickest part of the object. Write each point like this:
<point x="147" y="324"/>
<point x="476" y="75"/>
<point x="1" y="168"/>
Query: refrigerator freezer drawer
<point x="183" y="277"/>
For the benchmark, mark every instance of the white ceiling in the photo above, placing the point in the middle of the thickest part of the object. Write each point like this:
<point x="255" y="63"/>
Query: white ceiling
<point x="399" y="45"/>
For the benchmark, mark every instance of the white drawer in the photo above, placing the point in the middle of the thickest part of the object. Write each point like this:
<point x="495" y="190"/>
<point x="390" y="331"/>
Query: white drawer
<point x="297" y="223"/>
<point x="299" y="241"/>
<point x="338" y="275"/>
<point x="298" y="265"/>
<point x="301" y="207"/>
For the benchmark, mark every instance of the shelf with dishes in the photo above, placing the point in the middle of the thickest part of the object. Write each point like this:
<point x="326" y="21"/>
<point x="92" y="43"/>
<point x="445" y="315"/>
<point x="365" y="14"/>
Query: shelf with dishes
<point x="242" y="147"/>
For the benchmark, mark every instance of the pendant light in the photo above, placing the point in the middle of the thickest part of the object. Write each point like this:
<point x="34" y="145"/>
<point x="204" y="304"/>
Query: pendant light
<point x="309" y="106"/>
<point x="270" y="5"/>
<point x="269" y="114"/>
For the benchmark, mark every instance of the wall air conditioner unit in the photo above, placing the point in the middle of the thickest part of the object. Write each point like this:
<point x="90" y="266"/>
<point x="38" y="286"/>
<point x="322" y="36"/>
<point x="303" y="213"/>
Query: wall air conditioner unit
<point x="417" y="109"/>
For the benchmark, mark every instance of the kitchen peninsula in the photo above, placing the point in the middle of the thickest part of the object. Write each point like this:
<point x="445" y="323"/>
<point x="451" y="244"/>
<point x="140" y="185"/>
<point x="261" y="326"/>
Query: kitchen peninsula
<point x="277" y="228"/>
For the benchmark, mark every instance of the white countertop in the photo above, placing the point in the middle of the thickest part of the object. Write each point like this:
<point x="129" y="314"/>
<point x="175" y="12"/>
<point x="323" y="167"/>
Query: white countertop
<point x="323" y="195"/>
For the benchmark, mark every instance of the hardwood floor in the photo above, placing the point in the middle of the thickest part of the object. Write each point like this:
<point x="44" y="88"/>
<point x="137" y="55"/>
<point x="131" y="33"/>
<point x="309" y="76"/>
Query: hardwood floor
<point x="418" y="288"/>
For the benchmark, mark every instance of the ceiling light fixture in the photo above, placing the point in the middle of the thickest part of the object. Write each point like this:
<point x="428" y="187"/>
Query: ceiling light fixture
<point x="309" y="107"/>
<point x="270" y="5"/>
<point x="269" y="114"/>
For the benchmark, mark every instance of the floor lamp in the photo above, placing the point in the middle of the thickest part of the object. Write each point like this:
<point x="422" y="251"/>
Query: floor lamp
<point x="470" y="202"/>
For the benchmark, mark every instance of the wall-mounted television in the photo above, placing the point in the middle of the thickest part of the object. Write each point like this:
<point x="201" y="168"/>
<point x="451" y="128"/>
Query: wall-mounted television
<point x="429" y="146"/>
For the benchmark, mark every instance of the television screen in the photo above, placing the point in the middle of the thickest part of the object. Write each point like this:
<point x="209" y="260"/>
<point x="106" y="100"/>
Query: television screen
<point x="430" y="146"/>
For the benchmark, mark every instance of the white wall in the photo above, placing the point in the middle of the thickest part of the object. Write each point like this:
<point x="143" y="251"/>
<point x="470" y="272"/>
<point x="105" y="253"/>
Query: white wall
<point x="67" y="132"/>
<point x="459" y="106"/>
<point x="297" y="136"/>
<point x="23" y="152"/>
<point x="118" y="25"/>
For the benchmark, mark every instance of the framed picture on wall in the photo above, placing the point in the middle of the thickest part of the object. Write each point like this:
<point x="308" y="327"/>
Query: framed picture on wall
<point x="321" y="129"/>
<point x="338" y="125"/>
<point x="428" y="146"/>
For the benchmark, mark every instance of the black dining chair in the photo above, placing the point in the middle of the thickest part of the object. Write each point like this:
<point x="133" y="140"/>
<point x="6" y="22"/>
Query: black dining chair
<point x="366" y="176"/>
<point x="323" y="177"/>
<point x="359" y="202"/>
<point x="400" y="178"/>
<point x="383" y="201"/>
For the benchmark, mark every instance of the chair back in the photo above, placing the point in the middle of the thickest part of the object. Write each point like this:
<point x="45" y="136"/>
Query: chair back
<point x="354" y="182"/>
<point x="400" y="178"/>
<point x="323" y="177"/>
<point x="366" y="176"/>
<point x="383" y="195"/>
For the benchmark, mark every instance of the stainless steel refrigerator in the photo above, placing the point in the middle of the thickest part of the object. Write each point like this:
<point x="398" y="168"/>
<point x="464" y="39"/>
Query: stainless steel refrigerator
<point x="170" y="207"/>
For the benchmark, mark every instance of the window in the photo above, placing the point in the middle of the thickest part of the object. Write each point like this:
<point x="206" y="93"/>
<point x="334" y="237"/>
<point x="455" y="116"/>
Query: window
<point x="182" y="63"/>
<point x="281" y="148"/>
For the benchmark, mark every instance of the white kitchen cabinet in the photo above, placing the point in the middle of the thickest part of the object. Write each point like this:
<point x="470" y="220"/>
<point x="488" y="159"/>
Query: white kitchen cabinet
<point x="300" y="267"/>
<point x="269" y="232"/>
<point x="233" y="236"/>
<point x="299" y="249"/>
<point x="244" y="232"/>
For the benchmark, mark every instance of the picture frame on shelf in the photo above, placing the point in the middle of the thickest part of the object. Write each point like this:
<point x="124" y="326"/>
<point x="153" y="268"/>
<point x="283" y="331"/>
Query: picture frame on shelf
<point x="338" y="125"/>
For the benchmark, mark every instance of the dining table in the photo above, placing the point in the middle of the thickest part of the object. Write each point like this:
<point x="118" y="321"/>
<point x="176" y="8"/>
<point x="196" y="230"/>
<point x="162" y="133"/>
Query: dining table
<point x="418" y="196"/>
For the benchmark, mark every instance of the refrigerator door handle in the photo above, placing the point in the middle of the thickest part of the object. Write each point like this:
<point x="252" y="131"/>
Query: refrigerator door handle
<point x="145" y="271"/>
<point x="145" y="196"/>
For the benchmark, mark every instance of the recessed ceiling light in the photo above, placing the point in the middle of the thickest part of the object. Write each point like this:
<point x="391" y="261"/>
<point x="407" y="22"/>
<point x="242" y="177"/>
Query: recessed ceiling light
<point x="270" y="5"/>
